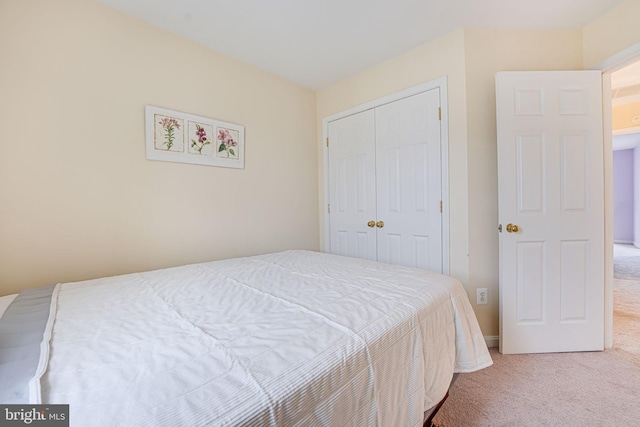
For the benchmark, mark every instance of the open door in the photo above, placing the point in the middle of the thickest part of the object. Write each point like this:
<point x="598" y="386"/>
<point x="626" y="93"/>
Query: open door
<point x="551" y="203"/>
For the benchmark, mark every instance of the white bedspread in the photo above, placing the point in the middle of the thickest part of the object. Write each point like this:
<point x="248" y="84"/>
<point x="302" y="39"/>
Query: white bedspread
<point x="289" y="339"/>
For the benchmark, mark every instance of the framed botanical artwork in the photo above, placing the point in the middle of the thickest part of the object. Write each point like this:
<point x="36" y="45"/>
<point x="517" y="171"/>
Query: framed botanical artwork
<point x="172" y="136"/>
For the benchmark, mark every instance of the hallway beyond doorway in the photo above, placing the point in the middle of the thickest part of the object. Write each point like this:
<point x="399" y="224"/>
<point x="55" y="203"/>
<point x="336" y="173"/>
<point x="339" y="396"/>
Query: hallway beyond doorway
<point x="626" y="301"/>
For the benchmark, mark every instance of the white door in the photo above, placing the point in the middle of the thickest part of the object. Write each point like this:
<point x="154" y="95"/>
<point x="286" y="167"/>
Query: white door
<point x="352" y="186"/>
<point x="550" y="170"/>
<point x="385" y="183"/>
<point x="408" y="176"/>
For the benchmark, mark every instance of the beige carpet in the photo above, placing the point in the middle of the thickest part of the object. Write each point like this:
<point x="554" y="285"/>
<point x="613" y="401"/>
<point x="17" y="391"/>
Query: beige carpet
<point x="626" y="301"/>
<point x="626" y="318"/>
<point x="561" y="389"/>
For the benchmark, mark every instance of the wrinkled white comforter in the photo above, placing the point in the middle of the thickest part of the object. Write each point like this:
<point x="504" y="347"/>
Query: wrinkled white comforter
<point x="293" y="338"/>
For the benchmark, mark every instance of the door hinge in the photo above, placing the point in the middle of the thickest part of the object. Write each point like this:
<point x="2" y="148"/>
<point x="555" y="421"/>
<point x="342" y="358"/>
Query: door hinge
<point x="440" y="206"/>
<point x="329" y="208"/>
<point x="439" y="113"/>
<point x="327" y="141"/>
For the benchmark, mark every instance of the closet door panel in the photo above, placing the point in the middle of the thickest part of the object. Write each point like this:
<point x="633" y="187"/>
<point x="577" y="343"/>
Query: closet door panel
<point x="408" y="181"/>
<point x="352" y="189"/>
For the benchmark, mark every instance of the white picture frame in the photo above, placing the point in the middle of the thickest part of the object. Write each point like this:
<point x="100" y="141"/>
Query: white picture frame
<point x="173" y="136"/>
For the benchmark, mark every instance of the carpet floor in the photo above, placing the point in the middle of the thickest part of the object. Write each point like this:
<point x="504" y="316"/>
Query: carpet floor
<point x="626" y="319"/>
<point x="561" y="389"/>
<point x="626" y="302"/>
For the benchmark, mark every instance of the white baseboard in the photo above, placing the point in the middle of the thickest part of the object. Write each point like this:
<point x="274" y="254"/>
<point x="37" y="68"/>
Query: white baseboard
<point x="624" y="242"/>
<point x="492" y="341"/>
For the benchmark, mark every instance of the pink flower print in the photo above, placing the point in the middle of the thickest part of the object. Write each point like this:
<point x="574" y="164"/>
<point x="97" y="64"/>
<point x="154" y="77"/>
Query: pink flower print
<point x="203" y="140"/>
<point x="201" y="134"/>
<point x="227" y="142"/>
<point x="169" y="124"/>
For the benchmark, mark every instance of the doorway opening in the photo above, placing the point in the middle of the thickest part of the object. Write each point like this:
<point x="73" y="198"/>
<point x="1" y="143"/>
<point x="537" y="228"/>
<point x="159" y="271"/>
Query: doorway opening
<point x="625" y="114"/>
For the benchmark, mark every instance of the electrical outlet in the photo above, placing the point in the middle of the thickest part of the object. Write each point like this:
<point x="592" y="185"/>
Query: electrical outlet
<point x="481" y="296"/>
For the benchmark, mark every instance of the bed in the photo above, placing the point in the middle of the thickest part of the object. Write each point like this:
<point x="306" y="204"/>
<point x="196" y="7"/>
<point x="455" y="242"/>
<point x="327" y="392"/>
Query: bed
<point x="296" y="338"/>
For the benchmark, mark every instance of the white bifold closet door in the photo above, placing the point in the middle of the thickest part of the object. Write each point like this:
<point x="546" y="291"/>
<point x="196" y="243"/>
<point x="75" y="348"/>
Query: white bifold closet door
<point x="384" y="169"/>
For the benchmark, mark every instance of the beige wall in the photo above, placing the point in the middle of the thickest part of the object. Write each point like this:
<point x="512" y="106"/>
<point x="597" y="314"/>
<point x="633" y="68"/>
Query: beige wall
<point x="442" y="57"/>
<point x="486" y="53"/>
<point x="77" y="197"/>
<point x="622" y="115"/>
<point x="612" y="32"/>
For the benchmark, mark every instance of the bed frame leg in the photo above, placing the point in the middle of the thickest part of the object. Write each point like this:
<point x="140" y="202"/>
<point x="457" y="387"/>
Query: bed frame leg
<point x="429" y="421"/>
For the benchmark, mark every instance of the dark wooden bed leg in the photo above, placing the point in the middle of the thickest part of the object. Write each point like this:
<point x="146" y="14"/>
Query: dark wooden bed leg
<point x="429" y="421"/>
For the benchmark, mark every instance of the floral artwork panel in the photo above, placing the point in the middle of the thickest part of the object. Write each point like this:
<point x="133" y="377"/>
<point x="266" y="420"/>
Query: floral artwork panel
<point x="169" y="133"/>
<point x="201" y="138"/>
<point x="227" y="143"/>
<point x="174" y="136"/>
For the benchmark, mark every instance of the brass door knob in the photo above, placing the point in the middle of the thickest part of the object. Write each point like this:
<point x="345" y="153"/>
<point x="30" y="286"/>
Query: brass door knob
<point x="371" y="224"/>
<point x="380" y="224"/>
<point x="512" y="228"/>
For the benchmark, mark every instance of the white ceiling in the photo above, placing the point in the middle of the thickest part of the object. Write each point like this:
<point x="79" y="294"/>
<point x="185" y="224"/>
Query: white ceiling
<point x="318" y="42"/>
